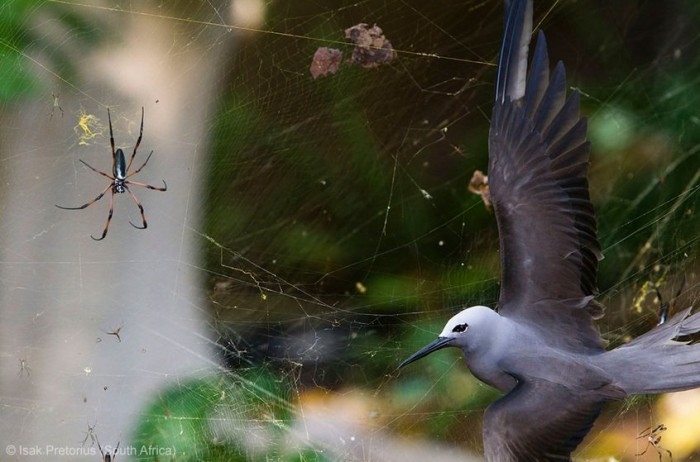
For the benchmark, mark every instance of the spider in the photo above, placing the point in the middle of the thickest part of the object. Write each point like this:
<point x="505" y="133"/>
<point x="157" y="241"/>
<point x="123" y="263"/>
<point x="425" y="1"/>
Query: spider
<point x="108" y="457"/>
<point x="24" y="368"/>
<point x="116" y="332"/>
<point x="55" y="105"/>
<point x="90" y="433"/>
<point x="120" y="180"/>
<point x="653" y="437"/>
<point x="665" y="307"/>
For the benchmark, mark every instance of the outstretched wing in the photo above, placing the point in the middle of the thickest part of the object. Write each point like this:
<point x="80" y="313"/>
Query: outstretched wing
<point x="538" y="421"/>
<point x="538" y="164"/>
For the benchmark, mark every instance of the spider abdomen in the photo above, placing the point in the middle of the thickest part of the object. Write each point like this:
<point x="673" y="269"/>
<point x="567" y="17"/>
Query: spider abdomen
<point x="119" y="166"/>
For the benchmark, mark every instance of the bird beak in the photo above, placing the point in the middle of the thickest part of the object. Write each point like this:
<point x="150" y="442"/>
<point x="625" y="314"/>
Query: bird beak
<point x="438" y="343"/>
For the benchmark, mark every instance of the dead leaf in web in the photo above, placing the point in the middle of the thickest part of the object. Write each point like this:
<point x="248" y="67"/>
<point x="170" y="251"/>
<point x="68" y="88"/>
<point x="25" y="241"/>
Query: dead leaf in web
<point x="326" y="61"/>
<point x="479" y="185"/>
<point x="372" y="49"/>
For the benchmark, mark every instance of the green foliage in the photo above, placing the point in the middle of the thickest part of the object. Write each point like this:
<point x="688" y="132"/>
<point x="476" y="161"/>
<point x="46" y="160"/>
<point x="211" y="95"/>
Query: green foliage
<point x="20" y="37"/>
<point x="229" y="418"/>
<point x="16" y="76"/>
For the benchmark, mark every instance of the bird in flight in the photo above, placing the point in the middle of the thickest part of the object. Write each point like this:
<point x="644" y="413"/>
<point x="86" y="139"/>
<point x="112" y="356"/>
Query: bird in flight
<point x="541" y="348"/>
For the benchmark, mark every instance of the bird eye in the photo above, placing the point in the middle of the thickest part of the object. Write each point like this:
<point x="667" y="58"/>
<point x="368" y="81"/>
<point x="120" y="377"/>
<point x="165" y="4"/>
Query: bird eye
<point x="460" y="327"/>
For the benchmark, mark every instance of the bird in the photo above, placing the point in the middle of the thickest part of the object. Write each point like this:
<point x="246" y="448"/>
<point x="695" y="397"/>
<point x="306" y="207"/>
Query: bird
<point x="541" y="347"/>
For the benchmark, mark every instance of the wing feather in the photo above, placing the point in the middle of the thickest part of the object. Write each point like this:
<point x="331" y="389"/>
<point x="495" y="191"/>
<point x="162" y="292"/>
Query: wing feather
<point x="513" y="57"/>
<point x="515" y="429"/>
<point x="539" y="76"/>
<point x="538" y="167"/>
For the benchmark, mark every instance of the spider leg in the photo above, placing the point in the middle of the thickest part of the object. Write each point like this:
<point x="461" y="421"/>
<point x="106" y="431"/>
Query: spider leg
<point x="644" y="434"/>
<point x="87" y="204"/>
<point x="111" y="139"/>
<point x="97" y="171"/>
<point x="140" y="168"/>
<point x="148" y="186"/>
<point x="144" y="185"/>
<point x="109" y="218"/>
<point x="670" y="454"/>
<point x="98" y="445"/>
<point x="138" y="142"/>
<point x="143" y="215"/>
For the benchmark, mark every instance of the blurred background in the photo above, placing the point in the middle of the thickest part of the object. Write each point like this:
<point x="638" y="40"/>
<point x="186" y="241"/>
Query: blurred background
<point x="317" y="229"/>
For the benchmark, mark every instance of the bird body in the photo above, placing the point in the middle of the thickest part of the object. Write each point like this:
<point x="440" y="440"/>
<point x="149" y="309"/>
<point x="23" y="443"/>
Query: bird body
<point x="500" y="351"/>
<point x="541" y="348"/>
<point x="570" y="388"/>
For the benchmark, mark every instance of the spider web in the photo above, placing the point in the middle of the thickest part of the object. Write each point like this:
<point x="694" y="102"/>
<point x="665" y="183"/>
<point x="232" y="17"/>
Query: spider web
<point x="315" y="231"/>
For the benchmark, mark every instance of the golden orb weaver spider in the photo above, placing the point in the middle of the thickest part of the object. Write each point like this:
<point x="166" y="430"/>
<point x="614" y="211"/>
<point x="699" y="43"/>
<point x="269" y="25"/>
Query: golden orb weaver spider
<point x="120" y="180"/>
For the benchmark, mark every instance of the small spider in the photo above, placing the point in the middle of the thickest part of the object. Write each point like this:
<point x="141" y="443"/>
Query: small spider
<point x="116" y="332"/>
<point x="90" y="433"/>
<point x="120" y="180"/>
<point x="24" y="368"/>
<point x="107" y="457"/>
<point x="665" y="307"/>
<point x="55" y="105"/>
<point x="653" y="437"/>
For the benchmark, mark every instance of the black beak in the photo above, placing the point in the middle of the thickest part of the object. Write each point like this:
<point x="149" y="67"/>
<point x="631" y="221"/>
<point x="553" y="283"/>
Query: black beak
<point x="437" y="344"/>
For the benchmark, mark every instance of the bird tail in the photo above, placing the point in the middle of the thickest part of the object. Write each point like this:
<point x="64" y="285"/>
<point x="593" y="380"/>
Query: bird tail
<point x="662" y="360"/>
